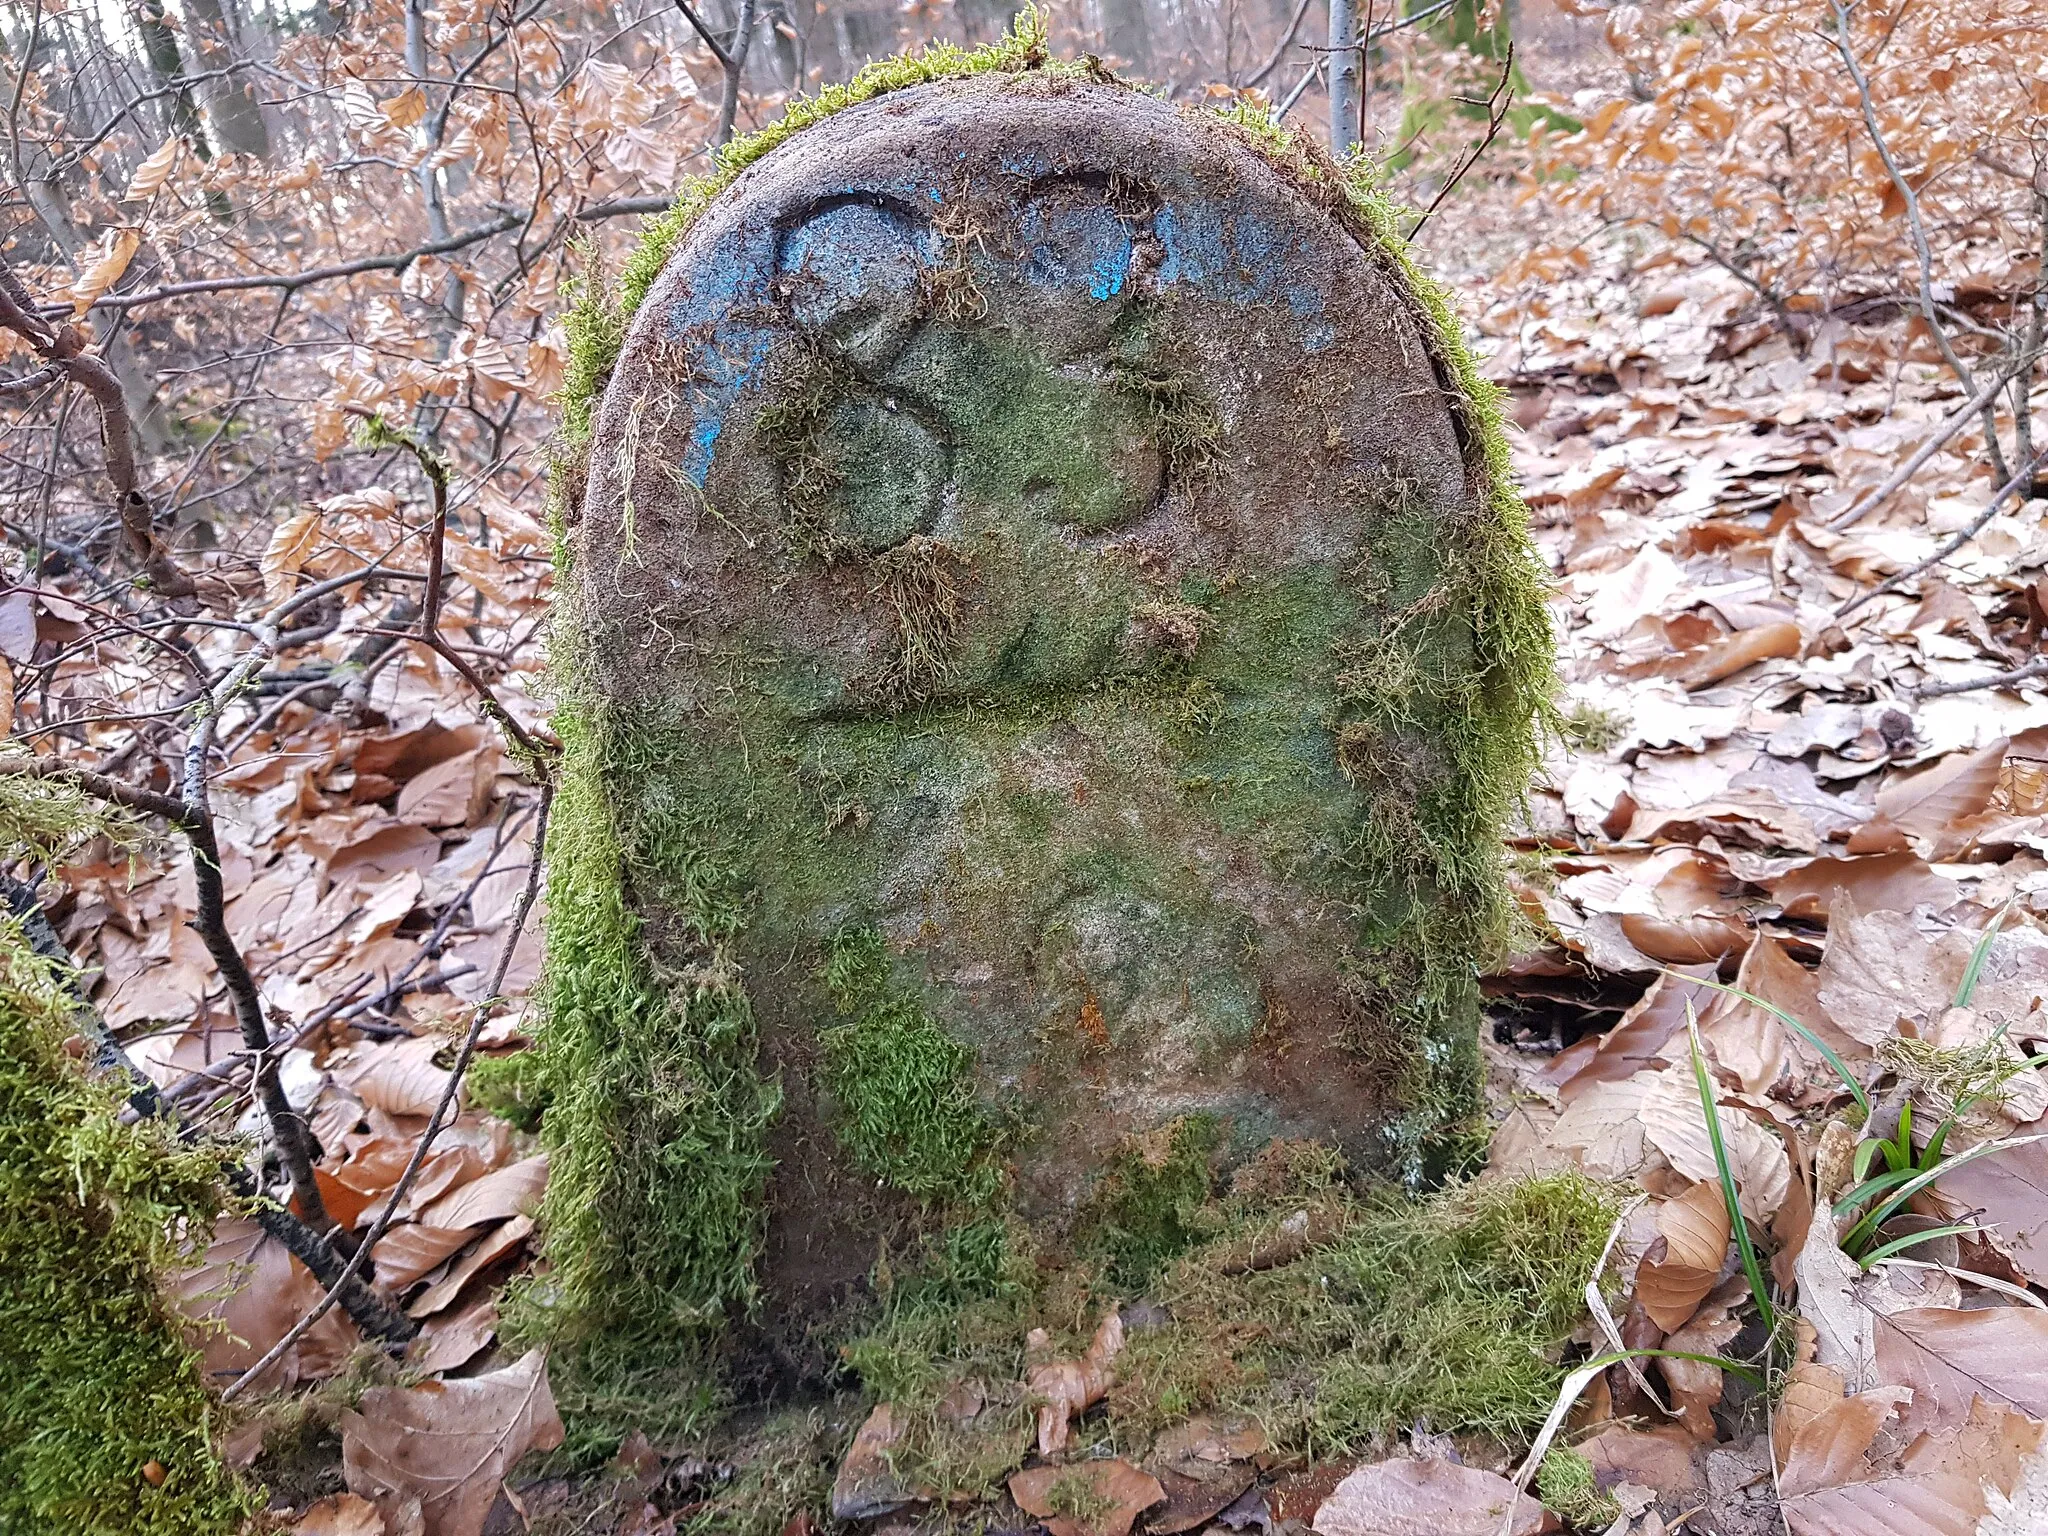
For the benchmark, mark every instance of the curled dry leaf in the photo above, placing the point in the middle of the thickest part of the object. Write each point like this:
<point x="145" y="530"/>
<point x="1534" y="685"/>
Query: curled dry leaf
<point x="116" y="249"/>
<point x="1065" y="1388"/>
<point x="1116" y="1491"/>
<point x="340" y="1514"/>
<point x="866" y="1485"/>
<point x="1685" y="1263"/>
<point x="448" y="1444"/>
<point x="1429" y="1498"/>
<point x="153" y="172"/>
<point x="291" y="544"/>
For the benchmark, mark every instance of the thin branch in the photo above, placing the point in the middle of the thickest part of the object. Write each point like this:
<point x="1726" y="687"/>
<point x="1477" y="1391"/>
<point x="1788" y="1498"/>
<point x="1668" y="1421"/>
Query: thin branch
<point x="1499" y="102"/>
<point x="375" y="1316"/>
<point x="1919" y="229"/>
<point x="1963" y="536"/>
<point x="1279" y="49"/>
<point x="64" y="347"/>
<point x="2038" y="667"/>
<point x="735" y="67"/>
<point x="710" y="41"/>
<point x="1951" y="424"/>
<point x="482" y="1011"/>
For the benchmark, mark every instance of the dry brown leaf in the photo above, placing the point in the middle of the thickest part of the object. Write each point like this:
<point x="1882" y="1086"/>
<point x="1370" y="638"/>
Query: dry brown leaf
<point x="1949" y="1356"/>
<point x="1945" y="1485"/>
<point x="153" y="172"/>
<point x="492" y="1247"/>
<point x="1063" y="1389"/>
<point x="512" y="1191"/>
<point x="116" y="249"/>
<point x="1675" y="1123"/>
<point x="452" y="793"/>
<point x="866" y="1485"/>
<point x="399" y="1078"/>
<point x="448" y="1444"/>
<point x="1932" y="812"/>
<point x="1811" y="1389"/>
<point x="443" y="1343"/>
<point x="1696" y="1384"/>
<point x="1826" y="1448"/>
<point x="291" y="545"/>
<point x="1121" y="1491"/>
<point x="1708" y="664"/>
<point x="1694" y="1228"/>
<point x="256" y="1292"/>
<point x="340" y="1514"/>
<point x="2011" y="1187"/>
<point x="1428" y="1498"/>
<point x="410" y="1249"/>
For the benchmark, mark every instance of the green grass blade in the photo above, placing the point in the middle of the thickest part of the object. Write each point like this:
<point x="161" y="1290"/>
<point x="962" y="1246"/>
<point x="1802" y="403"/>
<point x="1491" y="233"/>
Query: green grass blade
<point x="1936" y="1142"/>
<point x="1827" y="1051"/>
<point x="1866" y="1154"/>
<point x="1754" y="1377"/>
<point x="1967" y="989"/>
<point x="1872" y="1187"/>
<point x="1912" y="1239"/>
<point x="1750" y="1267"/>
<point x="1879" y="1215"/>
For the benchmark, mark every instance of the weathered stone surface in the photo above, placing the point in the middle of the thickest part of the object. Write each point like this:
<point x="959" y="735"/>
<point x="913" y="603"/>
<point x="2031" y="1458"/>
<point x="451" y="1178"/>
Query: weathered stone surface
<point x="1054" y="584"/>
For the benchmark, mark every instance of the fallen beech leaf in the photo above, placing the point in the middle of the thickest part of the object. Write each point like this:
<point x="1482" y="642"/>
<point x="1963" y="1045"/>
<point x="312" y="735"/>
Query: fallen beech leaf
<point x="1117" y="1488"/>
<point x="400" y="1078"/>
<point x="1428" y="1498"/>
<point x="866" y="1485"/>
<point x="340" y="1514"/>
<point x="1203" y="1467"/>
<point x="448" y="1443"/>
<point x="1892" y="882"/>
<point x="256" y="1292"/>
<point x="444" y="1343"/>
<point x="512" y="1191"/>
<point x="1931" y="811"/>
<point x="1811" y="1390"/>
<point x="408" y="1249"/>
<point x="1708" y="664"/>
<point x="491" y="1247"/>
<point x="1695" y="1231"/>
<point x="1828" y="1447"/>
<point x="1663" y="1458"/>
<point x="2012" y="1185"/>
<point x="1676" y="1124"/>
<point x="1696" y="1384"/>
<point x="1065" y="1388"/>
<point x="1694" y="940"/>
<point x="1949" y="1356"/>
<point x="1945" y="1485"/>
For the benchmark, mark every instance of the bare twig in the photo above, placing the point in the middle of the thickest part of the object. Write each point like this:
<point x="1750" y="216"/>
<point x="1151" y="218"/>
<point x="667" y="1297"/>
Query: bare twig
<point x="1962" y="536"/>
<point x="375" y="1316"/>
<point x="2038" y="667"/>
<point x="434" y="1123"/>
<point x="1499" y="102"/>
<point x="1919" y="229"/>
<point x="64" y="348"/>
<point x="1951" y="424"/>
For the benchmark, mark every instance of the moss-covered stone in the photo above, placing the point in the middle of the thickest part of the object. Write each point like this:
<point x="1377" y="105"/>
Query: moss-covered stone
<point x="104" y="1416"/>
<point x="1048" y="642"/>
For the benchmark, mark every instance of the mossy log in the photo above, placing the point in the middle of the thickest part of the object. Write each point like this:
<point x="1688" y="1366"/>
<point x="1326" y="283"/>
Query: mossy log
<point x="1047" y="647"/>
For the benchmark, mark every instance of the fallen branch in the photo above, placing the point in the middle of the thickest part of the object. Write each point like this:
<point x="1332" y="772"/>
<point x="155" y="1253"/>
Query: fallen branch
<point x="1951" y="424"/>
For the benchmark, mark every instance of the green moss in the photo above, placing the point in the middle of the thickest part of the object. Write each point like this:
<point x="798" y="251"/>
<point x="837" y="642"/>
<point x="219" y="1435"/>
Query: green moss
<point x="96" y="1382"/>
<point x="656" y="1112"/>
<point x="1453" y="1310"/>
<point x="47" y="820"/>
<point x="1566" y="1484"/>
<point x="905" y="1088"/>
<point x="1149" y="1209"/>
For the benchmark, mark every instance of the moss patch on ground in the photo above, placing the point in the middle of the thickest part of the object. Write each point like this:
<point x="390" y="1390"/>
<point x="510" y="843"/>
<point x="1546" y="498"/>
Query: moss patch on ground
<point x="104" y="1415"/>
<point x="1326" y="1313"/>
